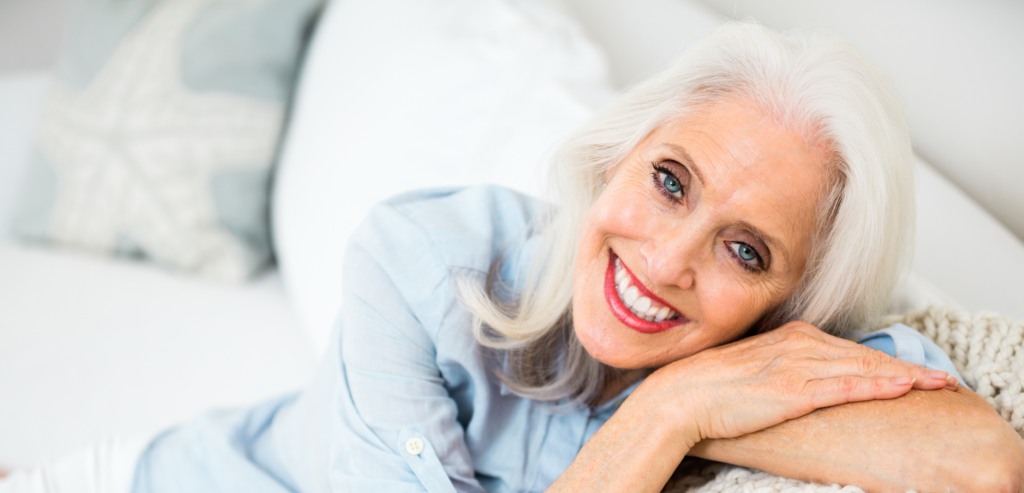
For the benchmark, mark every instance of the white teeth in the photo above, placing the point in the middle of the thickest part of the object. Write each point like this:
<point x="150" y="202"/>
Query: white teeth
<point x="642" y="304"/>
<point x="631" y="295"/>
<point x="662" y="314"/>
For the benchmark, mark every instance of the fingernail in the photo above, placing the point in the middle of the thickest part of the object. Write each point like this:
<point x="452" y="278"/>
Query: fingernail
<point x="951" y="383"/>
<point x="938" y="375"/>
<point x="903" y="380"/>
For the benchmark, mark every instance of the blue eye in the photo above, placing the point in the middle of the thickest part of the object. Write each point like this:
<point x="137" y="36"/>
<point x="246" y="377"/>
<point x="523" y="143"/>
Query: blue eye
<point x="746" y="253"/>
<point x="671" y="184"/>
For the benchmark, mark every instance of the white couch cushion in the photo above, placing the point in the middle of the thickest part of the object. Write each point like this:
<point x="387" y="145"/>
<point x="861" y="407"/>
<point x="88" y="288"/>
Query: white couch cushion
<point x="403" y="94"/>
<point x="91" y="346"/>
<point x="963" y="251"/>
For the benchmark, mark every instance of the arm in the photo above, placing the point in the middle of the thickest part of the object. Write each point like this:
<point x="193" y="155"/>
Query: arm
<point x="903" y="443"/>
<point x="395" y="424"/>
<point x="924" y="440"/>
<point x="731" y="391"/>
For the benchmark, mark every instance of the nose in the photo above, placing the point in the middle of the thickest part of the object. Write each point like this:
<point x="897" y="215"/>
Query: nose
<point x="674" y="253"/>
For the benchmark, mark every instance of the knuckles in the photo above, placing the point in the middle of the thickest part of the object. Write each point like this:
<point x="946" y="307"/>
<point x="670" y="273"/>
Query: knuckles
<point x="848" y="384"/>
<point x="799" y="334"/>
<point x="869" y="364"/>
<point x="791" y="384"/>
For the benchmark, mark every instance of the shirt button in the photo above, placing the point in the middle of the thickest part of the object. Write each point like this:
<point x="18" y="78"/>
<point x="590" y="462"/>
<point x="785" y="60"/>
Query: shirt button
<point x="414" y="446"/>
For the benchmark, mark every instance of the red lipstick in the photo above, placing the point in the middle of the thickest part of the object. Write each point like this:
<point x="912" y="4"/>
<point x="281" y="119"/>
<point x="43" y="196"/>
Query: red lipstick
<point x="622" y="312"/>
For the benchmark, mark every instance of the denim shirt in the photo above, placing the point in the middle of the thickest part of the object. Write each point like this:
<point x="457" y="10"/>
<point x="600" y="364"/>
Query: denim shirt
<point x="406" y="400"/>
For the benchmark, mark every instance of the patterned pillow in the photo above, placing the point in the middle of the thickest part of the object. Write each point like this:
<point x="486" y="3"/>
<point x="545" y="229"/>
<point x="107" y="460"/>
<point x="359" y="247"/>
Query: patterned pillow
<point x="161" y="128"/>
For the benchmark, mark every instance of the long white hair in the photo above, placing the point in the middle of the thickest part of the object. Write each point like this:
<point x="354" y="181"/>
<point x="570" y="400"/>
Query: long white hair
<point x="809" y="81"/>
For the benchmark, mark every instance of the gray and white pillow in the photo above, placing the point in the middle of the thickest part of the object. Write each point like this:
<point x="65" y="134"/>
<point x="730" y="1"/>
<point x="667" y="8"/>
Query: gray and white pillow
<point x="161" y="129"/>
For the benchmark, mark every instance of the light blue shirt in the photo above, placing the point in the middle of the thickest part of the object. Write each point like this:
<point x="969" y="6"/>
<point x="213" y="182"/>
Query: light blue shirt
<point x="406" y="400"/>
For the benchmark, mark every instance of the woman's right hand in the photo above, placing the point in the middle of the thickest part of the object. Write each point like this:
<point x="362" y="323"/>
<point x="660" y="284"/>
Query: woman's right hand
<point x="763" y="380"/>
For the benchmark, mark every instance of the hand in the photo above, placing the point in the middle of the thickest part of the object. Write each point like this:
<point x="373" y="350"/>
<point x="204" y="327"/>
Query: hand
<point x="761" y="381"/>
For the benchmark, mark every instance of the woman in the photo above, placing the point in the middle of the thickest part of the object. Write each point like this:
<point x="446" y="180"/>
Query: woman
<point x="715" y="224"/>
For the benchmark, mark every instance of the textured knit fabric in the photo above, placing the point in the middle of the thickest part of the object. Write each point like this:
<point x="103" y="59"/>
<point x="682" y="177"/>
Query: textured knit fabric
<point x="986" y="347"/>
<point x="406" y="400"/>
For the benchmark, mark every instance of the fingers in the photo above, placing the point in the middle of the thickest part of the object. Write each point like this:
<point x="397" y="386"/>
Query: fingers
<point x="841" y="390"/>
<point x="873" y="363"/>
<point x="844" y="357"/>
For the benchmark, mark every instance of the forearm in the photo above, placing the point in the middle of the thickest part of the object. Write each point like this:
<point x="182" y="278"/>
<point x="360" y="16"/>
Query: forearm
<point x="636" y="450"/>
<point x="925" y="440"/>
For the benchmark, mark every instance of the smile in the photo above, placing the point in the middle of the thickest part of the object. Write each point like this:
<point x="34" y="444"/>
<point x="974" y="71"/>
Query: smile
<point x="633" y="304"/>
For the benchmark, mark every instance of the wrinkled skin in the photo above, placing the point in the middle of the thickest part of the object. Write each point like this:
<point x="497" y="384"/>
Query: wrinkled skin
<point x="714" y="213"/>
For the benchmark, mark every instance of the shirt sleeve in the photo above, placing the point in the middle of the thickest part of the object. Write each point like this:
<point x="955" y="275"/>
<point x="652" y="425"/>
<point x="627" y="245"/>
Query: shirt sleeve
<point x="396" y="425"/>
<point x="906" y="344"/>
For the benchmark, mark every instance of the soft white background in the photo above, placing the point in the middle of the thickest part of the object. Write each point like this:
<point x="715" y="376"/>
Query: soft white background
<point x="959" y="65"/>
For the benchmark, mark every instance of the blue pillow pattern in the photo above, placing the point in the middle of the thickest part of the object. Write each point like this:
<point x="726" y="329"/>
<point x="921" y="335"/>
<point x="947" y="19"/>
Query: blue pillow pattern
<point x="161" y="129"/>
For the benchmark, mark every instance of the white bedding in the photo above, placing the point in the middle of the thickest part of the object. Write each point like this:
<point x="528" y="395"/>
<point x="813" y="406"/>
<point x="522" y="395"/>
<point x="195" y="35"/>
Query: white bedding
<point x="91" y="346"/>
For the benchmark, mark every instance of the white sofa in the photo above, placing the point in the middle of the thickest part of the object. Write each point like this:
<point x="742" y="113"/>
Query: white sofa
<point x="94" y="346"/>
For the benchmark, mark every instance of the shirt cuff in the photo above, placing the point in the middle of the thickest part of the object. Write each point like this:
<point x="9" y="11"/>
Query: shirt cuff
<point x="906" y="344"/>
<point x="420" y="455"/>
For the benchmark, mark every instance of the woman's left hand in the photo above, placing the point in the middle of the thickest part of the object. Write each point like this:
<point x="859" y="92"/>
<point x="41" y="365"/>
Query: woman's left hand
<point x="764" y="380"/>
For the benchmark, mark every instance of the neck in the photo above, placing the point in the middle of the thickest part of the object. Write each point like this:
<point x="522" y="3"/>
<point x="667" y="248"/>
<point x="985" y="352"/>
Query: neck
<point x="619" y="380"/>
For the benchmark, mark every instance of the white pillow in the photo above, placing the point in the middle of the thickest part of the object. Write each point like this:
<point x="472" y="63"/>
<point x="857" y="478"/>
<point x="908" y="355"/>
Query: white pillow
<point x="405" y="94"/>
<point x="964" y="252"/>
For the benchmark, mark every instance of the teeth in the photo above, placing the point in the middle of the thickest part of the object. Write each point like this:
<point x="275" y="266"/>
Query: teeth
<point x="641" y="306"/>
<point x="624" y="282"/>
<point x="631" y="295"/>
<point x="662" y="314"/>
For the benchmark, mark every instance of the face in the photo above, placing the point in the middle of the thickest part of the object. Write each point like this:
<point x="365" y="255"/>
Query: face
<point x="703" y="228"/>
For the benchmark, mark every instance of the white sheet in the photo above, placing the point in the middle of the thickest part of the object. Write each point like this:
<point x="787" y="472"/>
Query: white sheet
<point x="91" y="347"/>
<point x="107" y="466"/>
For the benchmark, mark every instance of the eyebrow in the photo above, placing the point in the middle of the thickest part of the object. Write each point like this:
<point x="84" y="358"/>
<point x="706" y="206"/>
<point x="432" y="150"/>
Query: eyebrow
<point x="768" y="240"/>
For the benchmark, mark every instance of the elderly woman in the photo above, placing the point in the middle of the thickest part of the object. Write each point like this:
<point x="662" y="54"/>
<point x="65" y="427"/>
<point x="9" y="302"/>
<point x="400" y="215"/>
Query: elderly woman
<point x="715" y="225"/>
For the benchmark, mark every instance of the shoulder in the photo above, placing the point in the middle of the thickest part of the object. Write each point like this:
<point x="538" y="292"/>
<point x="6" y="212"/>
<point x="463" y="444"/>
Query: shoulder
<point x="416" y="241"/>
<point x="460" y="227"/>
<point x="466" y="226"/>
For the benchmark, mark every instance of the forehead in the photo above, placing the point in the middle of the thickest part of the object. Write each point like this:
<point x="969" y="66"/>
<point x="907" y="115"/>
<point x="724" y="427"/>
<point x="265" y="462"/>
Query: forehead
<point x="748" y="169"/>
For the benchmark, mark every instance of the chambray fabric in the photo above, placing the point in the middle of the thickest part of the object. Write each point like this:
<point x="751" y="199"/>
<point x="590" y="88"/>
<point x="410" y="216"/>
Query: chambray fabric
<point x="902" y="342"/>
<point x="403" y="365"/>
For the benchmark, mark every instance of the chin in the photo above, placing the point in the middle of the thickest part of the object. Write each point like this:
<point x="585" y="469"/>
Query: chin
<point x="606" y="344"/>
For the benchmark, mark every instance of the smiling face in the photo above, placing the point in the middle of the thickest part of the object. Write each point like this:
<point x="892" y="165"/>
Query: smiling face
<point x="705" y="226"/>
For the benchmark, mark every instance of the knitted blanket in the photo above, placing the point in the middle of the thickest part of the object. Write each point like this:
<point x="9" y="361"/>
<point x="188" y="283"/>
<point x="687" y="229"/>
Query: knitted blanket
<point x="988" y="351"/>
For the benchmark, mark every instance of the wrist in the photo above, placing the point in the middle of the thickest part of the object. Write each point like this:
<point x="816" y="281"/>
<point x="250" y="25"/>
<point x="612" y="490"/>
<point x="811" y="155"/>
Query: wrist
<point x="675" y="412"/>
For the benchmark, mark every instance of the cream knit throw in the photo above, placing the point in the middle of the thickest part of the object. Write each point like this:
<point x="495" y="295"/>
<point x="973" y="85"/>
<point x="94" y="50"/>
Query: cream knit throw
<point x="988" y="351"/>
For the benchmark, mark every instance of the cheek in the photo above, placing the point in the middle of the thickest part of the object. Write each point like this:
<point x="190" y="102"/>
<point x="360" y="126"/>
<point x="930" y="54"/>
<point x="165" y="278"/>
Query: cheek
<point x="621" y="213"/>
<point x="731" y="305"/>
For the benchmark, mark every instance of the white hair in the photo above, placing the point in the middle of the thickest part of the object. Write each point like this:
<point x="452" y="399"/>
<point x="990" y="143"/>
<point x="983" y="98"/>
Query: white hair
<point x="808" y="81"/>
